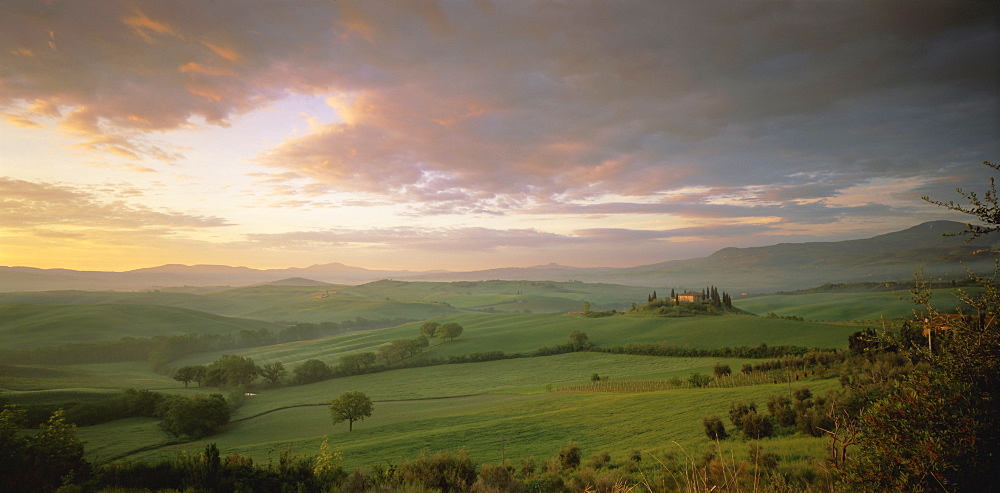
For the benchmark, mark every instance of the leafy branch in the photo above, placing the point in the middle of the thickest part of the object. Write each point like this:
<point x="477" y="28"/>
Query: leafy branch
<point x="986" y="209"/>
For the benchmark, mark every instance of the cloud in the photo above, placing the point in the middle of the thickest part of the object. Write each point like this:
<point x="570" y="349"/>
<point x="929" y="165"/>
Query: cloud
<point x="52" y="210"/>
<point x="539" y="103"/>
<point x="534" y="107"/>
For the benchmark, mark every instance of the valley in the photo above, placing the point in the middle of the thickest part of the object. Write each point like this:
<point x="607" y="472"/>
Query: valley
<point x="628" y="375"/>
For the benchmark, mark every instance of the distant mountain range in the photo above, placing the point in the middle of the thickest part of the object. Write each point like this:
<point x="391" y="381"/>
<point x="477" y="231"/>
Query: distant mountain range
<point x="784" y="266"/>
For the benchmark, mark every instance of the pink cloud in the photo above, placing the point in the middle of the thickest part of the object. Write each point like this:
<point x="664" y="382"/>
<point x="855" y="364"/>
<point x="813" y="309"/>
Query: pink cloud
<point x="474" y="107"/>
<point x="27" y="205"/>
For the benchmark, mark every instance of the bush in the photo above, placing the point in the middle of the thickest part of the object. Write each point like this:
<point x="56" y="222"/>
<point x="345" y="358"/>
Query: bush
<point x="569" y="456"/>
<point x="814" y="422"/>
<point x="781" y="408"/>
<point x="715" y="429"/>
<point x="442" y="471"/>
<point x="600" y="460"/>
<point x="803" y="394"/>
<point x="699" y="380"/>
<point x="721" y="370"/>
<point x="496" y="479"/>
<point x="756" y="426"/>
<point x="196" y="416"/>
<point x="738" y="410"/>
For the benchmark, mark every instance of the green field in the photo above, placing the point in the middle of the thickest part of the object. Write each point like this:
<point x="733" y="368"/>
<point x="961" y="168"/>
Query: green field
<point x="103" y="377"/>
<point x="376" y="301"/>
<point x="470" y="406"/>
<point x="511" y="408"/>
<point x="526" y="333"/>
<point x="846" y="306"/>
<point x="27" y="326"/>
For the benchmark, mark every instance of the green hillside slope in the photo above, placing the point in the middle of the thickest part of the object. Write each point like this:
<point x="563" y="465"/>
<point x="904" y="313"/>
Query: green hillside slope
<point x="26" y="326"/>
<point x="470" y="406"/>
<point x="212" y="304"/>
<point x="379" y="300"/>
<point x="844" y="306"/>
<point x="526" y="333"/>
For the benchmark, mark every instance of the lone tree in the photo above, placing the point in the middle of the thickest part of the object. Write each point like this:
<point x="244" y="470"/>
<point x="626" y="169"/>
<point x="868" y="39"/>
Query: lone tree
<point x="351" y="407"/>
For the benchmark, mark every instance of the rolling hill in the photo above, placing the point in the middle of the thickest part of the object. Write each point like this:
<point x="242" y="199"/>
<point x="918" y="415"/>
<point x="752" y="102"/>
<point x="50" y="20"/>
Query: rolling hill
<point x="888" y="257"/>
<point x="26" y="326"/>
<point x="303" y="300"/>
<point x="781" y="267"/>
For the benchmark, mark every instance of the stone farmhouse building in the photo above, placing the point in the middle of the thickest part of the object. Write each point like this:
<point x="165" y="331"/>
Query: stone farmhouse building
<point x="690" y="297"/>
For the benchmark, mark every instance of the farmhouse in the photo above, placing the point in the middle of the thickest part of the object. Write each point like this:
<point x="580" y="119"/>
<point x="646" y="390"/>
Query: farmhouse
<point x="690" y="297"/>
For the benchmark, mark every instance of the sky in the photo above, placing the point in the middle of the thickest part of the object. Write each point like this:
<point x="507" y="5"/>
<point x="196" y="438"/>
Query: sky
<point x="462" y="135"/>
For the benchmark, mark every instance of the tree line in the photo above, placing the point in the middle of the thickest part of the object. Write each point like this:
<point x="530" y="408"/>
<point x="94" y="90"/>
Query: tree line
<point x="231" y="371"/>
<point x="664" y="348"/>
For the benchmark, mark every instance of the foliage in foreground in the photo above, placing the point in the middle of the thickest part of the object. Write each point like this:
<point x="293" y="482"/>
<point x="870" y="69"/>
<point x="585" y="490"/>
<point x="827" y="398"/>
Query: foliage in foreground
<point x="930" y="422"/>
<point x="570" y="470"/>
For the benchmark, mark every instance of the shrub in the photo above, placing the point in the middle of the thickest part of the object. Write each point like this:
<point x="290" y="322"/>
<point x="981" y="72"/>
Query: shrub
<point x="738" y="410"/>
<point x="757" y="426"/>
<point x="715" y="429"/>
<point x="600" y="460"/>
<point x="781" y="408"/>
<point x="803" y="394"/>
<point x="195" y="416"/>
<point x="496" y="478"/>
<point x="721" y="370"/>
<point x="569" y="456"/>
<point x="442" y="471"/>
<point x="699" y="380"/>
<point x="635" y="457"/>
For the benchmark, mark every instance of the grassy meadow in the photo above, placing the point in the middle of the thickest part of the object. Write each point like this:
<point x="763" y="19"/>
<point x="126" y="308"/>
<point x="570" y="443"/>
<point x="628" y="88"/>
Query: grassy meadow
<point x="470" y="406"/>
<point x="27" y="326"/>
<point x="525" y="333"/>
<point x="870" y="306"/>
<point x="511" y="408"/>
<point x="376" y="300"/>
